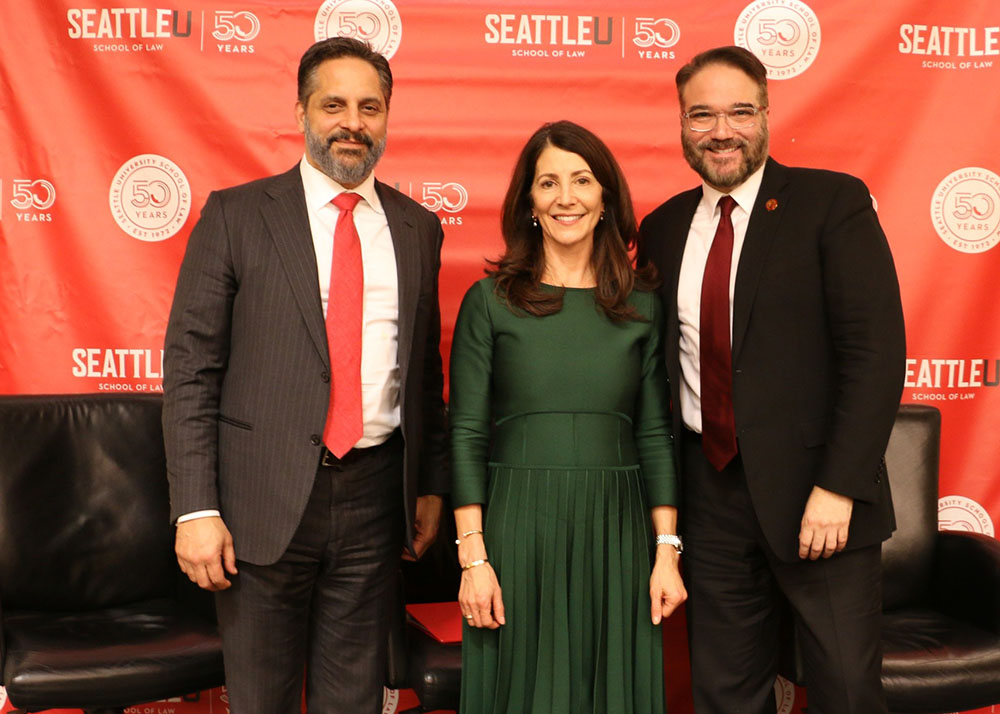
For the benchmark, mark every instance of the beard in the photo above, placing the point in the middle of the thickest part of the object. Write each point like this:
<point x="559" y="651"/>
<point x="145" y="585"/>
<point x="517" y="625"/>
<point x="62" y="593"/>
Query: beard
<point x="345" y="166"/>
<point x="754" y="156"/>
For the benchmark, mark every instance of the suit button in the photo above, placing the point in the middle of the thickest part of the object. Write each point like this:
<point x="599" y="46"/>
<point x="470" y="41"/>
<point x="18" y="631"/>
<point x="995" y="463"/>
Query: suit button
<point x="315" y="440"/>
<point x="878" y="479"/>
<point x="325" y="376"/>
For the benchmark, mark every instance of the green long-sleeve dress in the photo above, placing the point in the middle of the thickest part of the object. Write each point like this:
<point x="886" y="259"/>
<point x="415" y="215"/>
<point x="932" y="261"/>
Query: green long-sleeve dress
<point x="560" y="429"/>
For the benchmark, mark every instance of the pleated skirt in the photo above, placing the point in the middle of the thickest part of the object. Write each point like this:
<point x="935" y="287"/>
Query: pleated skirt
<point x="572" y="549"/>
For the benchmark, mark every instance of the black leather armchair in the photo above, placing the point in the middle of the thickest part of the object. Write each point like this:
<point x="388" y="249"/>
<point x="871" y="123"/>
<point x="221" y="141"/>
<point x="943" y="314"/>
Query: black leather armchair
<point x="941" y="590"/>
<point x="95" y="613"/>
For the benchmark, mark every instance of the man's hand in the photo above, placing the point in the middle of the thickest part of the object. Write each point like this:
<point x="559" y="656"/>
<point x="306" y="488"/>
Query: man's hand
<point x="425" y="524"/>
<point x="825" y="521"/>
<point x="204" y="547"/>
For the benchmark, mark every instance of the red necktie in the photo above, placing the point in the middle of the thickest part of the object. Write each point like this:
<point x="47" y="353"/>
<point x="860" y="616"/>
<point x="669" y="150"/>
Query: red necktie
<point x="718" y="427"/>
<point x="343" y="331"/>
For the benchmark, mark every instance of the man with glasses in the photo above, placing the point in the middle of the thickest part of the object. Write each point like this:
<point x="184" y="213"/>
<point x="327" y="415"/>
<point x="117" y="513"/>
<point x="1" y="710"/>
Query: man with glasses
<point x="785" y="348"/>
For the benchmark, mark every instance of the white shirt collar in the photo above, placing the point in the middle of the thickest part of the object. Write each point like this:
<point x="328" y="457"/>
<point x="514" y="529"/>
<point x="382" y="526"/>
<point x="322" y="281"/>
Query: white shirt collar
<point x="745" y="194"/>
<point x="320" y="189"/>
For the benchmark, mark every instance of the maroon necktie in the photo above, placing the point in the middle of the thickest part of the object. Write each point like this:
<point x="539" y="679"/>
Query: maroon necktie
<point x="718" y="428"/>
<point x="343" y="331"/>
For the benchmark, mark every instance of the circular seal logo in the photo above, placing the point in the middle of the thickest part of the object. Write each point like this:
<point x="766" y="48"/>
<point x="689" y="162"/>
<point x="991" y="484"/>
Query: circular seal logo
<point x="965" y="209"/>
<point x="375" y="21"/>
<point x="150" y="197"/>
<point x="958" y="513"/>
<point x="784" y="695"/>
<point x="390" y="700"/>
<point x="784" y="34"/>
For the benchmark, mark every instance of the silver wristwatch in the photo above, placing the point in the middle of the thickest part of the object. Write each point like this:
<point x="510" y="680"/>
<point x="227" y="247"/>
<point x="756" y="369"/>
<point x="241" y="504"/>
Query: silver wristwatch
<point x="670" y="539"/>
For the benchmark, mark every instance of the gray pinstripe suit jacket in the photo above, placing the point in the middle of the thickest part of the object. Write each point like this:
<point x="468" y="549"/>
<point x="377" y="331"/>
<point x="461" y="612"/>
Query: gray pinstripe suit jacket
<point x="246" y="365"/>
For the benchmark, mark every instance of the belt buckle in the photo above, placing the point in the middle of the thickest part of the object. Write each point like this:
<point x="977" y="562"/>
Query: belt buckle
<point x="328" y="458"/>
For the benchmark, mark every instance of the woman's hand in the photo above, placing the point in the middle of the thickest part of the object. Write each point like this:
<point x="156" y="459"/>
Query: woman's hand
<point x="479" y="592"/>
<point x="666" y="588"/>
<point x="479" y="597"/>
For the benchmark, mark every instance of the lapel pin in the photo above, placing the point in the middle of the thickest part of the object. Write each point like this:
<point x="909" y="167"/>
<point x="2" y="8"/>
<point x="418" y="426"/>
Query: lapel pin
<point x="772" y="204"/>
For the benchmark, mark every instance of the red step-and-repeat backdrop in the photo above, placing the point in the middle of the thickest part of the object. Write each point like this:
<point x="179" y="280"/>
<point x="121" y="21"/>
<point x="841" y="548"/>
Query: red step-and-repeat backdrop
<point x="119" y="117"/>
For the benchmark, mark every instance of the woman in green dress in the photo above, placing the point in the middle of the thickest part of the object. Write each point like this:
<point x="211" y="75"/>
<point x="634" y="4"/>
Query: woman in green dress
<point x="563" y="472"/>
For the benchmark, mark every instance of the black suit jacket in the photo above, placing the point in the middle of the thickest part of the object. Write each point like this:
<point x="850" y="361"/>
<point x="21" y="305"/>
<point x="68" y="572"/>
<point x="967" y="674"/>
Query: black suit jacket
<point x="246" y="364"/>
<point x="818" y="346"/>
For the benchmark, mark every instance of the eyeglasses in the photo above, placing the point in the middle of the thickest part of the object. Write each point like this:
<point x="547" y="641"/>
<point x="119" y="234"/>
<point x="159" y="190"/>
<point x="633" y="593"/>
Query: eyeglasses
<point x="736" y="118"/>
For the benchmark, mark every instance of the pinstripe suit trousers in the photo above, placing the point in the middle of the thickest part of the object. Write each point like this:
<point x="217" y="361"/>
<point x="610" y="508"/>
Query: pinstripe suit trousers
<point x="322" y="607"/>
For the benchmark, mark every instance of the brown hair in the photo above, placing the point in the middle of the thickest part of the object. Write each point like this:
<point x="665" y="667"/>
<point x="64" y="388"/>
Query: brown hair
<point x="518" y="272"/>
<point x="335" y="48"/>
<point x="731" y="56"/>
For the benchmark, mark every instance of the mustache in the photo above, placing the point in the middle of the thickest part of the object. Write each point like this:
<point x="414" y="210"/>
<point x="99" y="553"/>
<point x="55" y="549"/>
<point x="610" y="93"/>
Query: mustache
<point x="350" y="136"/>
<point x="734" y="143"/>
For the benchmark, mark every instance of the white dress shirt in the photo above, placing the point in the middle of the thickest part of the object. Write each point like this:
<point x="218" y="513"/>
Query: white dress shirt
<point x="699" y="242"/>
<point x="380" y="311"/>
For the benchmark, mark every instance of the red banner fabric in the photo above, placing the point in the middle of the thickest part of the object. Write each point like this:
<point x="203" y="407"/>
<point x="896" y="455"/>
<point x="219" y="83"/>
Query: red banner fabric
<point x="119" y="117"/>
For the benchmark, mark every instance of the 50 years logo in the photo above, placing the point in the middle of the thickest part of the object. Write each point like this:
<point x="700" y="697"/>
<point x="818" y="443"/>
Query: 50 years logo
<point x="390" y="700"/>
<point x="447" y="197"/>
<point x="784" y="695"/>
<point x="375" y="21"/>
<point x="784" y="34"/>
<point x="38" y="194"/>
<point x="31" y="199"/>
<point x="965" y="209"/>
<point x="450" y="197"/>
<point x="958" y="513"/>
<point x="242" y="26"/>
<point x="235" y="30"/>
<point x="150" y="197"/>
<point x="653" y="35"/>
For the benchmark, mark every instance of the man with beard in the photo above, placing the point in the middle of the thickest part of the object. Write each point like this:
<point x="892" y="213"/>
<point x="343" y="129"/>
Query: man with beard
<point x="304" y="452"/>
<point x="785" y="349"/>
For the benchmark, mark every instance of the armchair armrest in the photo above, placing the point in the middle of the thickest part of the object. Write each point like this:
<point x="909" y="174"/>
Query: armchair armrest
<point x="965" y="582"/>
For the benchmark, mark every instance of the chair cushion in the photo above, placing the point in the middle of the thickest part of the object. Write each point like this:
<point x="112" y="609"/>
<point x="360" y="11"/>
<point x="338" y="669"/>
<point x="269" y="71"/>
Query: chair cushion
<point x="150" y="650"/>
<point x="934" y="663"/>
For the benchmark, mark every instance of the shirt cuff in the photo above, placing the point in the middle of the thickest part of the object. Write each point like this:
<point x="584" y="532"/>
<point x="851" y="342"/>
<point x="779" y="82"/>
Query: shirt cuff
<point x="198" y="514"/>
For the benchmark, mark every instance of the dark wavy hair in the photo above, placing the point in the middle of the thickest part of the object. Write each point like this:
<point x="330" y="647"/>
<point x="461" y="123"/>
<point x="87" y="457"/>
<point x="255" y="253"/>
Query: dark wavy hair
<point x="518" y="272"/>
<point x="335" y="48"/>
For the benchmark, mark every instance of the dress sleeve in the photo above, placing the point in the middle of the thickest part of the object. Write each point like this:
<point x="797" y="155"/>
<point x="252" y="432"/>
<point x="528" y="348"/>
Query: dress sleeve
<point x="652" y="416"/>
<point x="470" y="397"/>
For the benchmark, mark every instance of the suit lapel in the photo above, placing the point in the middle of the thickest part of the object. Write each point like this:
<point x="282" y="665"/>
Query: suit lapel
<point x="407" y="250"/>
<point x="287" y="221"/>
<point x="761" y="231"/>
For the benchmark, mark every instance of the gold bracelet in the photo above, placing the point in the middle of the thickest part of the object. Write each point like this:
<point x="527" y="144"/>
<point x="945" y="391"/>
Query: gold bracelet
<point x="474" y="563"/>
<point x="458" y="541"/>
